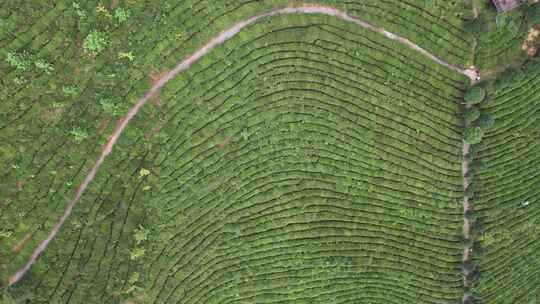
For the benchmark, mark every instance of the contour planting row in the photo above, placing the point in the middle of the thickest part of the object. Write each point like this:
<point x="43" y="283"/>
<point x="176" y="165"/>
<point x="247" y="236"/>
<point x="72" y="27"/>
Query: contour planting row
<point x="507" y="205"/>
<point x="173" y="33"/>
<point x="198" y="244"/>
<point x="263" y="150"/>
<point x="55" y="123"/>
<point x="54" y="161"/>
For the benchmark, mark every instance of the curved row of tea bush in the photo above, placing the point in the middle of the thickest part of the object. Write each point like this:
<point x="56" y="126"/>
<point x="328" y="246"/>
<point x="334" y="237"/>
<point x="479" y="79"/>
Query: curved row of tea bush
<point x="303" y="161"/>
<point x="60" y="99"/>
<point x="507" y="203"/>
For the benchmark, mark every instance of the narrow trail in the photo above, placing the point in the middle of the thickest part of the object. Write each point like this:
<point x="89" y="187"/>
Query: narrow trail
<point x="466" y="207"/>
<point x="465" y="171"/>
<point x="184" y="65"/>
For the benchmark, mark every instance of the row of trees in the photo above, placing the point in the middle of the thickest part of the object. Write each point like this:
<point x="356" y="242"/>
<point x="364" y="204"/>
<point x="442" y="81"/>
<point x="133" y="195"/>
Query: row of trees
<point x="476" y="123"/>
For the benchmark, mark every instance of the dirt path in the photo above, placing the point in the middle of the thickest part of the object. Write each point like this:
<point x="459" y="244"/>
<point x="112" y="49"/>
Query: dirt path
<point x="185" y="64"/>
<point x="465" y="170"/>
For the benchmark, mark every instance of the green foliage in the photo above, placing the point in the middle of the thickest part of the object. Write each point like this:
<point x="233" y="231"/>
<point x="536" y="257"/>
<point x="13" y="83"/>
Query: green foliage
<point x="476" y="26"/>
<point x="95" y="43"/>
<point x="474" y="135"/>
<point x="468" y="267"/>
<point x="141" y="235"/>
<point x="144" y="172"/>
<point x="126" y="55"/>
<point x="510" y="22"/>
<point x="44" y="66"/>
<point x="477" y="165"/>
<point x="70" y="90"/>
<point x="19" y="80"/>
<point x="137" y="253"/>
<point x="471" y="115"/>
<point x="532" y="13"/>
<point x="122" y="14"/>
<point x="508" y="76"/>
<point x="20" y="61"/>
<point x="78" y="11"/>
<point x="468" y="243"/>
<point x="469" y="192"/>
<point x="475" y="95"/>
<point x="78" y="134"/>
<point x="8" y="298"/>
<point x="470" y="215"/>
<point x="485" y="121"/>
<point x="329" y="130"/>
<point x="109" y="106"/>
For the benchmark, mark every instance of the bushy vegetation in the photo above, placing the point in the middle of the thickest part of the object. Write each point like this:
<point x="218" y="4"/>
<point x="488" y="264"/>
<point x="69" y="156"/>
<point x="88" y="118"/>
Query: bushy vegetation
<point x="95" y="43"/>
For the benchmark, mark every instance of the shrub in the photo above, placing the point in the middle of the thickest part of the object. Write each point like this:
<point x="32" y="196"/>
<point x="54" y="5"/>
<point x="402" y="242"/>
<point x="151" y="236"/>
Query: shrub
<point x="70" y="90"/>
<point x="77" y="7"/>
<point x="78" y="134"/>
<point x="95" y="43"/>
<point x="19" y="61"/>
<point x="475" y="95"/>
<point x="126" y="55"/>
<point x="121" y="14"/>
<point x="44" y="66"/>
<point x="474" y="135"/>
<point x="109" y="106"/>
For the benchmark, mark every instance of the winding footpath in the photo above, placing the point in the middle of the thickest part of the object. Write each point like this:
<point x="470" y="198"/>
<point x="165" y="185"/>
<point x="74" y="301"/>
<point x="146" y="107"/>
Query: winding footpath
<point x="190" y="60"/>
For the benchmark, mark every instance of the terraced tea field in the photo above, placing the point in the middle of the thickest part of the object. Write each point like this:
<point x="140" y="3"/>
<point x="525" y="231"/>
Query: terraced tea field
<point x="507" y="202"/>
<point x="258" y="152"/>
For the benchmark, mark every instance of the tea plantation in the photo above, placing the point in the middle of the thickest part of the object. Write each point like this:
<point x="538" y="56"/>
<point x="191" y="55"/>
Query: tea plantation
<point x="289" y="152"/>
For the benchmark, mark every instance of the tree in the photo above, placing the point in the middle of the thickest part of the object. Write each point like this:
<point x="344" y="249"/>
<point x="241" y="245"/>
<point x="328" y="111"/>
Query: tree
<point x="475" y="95"/>
<point x="474" y="135"/>
<point x="485" y="121"/>
<point x="471" y="115"/>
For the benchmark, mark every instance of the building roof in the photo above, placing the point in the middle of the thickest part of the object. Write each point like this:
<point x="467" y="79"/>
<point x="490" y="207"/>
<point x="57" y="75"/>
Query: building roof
<point x="505" y="5"/>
